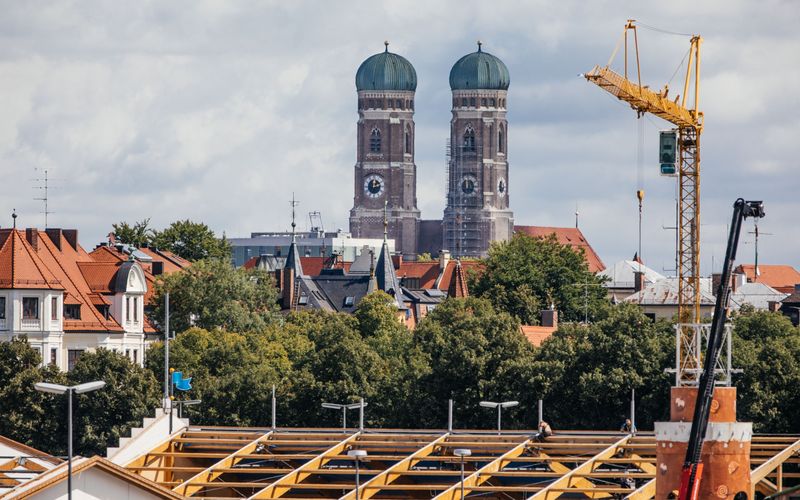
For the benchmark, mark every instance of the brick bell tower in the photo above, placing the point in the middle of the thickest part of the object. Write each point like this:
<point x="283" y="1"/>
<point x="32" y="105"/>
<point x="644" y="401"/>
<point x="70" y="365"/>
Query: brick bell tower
<point x="385" y="171"/>
<point x="477" y="211"/>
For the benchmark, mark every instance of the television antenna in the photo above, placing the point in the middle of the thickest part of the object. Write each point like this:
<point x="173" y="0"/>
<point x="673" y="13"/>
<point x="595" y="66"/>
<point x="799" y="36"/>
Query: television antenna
<point x="44" y="188"/>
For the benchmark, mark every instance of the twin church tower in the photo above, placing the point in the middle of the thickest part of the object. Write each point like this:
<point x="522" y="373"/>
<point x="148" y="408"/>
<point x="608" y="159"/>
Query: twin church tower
<point x="477" y="210"/>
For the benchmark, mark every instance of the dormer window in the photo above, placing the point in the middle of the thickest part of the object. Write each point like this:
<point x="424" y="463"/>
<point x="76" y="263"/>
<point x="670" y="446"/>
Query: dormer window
<point x="72" y="311"/>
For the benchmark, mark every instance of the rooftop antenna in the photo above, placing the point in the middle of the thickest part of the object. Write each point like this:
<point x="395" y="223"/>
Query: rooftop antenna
<point x="385" y="221"/>
<point x="45" y="188"/>
<point x="294" y="223"/>
<point x="576" y="216"/>
<point x="756" y="233"/>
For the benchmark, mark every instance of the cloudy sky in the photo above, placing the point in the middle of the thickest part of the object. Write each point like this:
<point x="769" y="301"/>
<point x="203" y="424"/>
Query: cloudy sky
<point x="217" y="111"/>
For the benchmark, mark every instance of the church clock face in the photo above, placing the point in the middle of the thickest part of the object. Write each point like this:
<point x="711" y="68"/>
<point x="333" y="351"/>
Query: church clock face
<point x="468" y="185"/>
<point x="373" y="185"/>
<point x="501" y="187"/>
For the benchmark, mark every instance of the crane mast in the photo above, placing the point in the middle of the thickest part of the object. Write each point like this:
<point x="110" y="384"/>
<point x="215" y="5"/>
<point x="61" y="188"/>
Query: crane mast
<point x="689" y="123"/>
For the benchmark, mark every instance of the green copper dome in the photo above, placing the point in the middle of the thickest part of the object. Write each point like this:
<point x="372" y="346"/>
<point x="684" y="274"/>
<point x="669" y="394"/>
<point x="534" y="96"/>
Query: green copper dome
<point x="386" y="71"/>
<point x="479" y="70"/>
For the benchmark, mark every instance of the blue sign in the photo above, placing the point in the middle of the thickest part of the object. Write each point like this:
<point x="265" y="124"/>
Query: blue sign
<point x="182" y="384"/>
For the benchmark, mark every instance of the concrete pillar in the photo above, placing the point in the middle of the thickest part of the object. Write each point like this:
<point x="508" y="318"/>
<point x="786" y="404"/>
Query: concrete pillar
<point x="726" y="450"/>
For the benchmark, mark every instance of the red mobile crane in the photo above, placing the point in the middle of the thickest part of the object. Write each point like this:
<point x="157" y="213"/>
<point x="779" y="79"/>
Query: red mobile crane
<point x="692" y="466"/>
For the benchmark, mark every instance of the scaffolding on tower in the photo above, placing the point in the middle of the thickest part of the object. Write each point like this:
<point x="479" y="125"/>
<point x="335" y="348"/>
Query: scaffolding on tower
<point x="462" y="231"/>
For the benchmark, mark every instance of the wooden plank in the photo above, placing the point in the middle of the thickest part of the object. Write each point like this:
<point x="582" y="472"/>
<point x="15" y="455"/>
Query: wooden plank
<point x="194" y="483"/>
<point x="553" y="490"/>
<point x="374" y="485"/>
<point x="285" y="483"/>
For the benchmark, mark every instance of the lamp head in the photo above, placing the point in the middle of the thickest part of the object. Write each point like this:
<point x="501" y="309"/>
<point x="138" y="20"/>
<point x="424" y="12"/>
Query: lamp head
<point x="462" y="452"/>
<point x="50" y="388"/>
<point x="509" y="404"/>
<point x="488" y="404"/>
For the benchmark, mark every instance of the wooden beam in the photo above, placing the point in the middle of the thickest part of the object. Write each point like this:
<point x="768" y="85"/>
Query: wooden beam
<point x="190" y="486"/>
<point x="567" y="480"/>
<point x="644" y="492"/>
<point x="481" y="475"/>
<point x="283" y="484"/>
<point x="762" y="471"/>
<point x="374" y="485"/>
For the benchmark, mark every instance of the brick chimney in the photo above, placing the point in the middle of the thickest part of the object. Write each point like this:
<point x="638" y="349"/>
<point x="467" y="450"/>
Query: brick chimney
<point x="397" y="261"/>
<point x="638" y="281"/>
<point x="550" y="318"/>
<point x="737" y="280"/>
<point x="32" y="235"/>
<point x="71" y="235"/>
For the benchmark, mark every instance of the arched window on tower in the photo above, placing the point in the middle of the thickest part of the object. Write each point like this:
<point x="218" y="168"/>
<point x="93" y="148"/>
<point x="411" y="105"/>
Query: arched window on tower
<point x="501" y="138"/>
<point x="407" y="141"/>
<point x="375" y="141"/>
<point x="469" y="139"/>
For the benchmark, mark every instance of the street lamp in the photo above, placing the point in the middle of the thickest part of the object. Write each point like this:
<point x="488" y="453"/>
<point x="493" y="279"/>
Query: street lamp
<point x="357" y="456"/>
<point x="344" y="408"/>
<point x="462" y="453"/>
<point x="499" y="406"/>
<point x="75" y="389"/>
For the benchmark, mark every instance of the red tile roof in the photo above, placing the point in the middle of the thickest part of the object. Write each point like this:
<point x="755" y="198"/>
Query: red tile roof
<point x="537" y="334"/>
<point x="428" y="272"/>
<point x="781" y="278"/>
<point x="571" y="236"/>
<point x="21" y="266"/>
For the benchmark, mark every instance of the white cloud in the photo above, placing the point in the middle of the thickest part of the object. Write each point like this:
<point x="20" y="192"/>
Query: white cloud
<point x="219" y="110"/>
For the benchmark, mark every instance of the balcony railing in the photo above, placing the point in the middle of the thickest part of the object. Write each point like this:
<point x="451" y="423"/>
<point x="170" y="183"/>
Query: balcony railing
<point x="31" y="324"/>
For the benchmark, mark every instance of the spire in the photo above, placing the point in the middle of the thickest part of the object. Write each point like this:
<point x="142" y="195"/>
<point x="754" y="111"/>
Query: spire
<point x="293" y="259"/>
<point x="14" y="216"/>
<point x="479" y="46"/>
<point x="386" y="44"/>
<point x="458" y="283"/>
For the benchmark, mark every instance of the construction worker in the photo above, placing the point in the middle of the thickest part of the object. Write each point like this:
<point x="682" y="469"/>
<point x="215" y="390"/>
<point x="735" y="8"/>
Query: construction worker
<point x="628" y="427"/>
<point x="544" y="431"/>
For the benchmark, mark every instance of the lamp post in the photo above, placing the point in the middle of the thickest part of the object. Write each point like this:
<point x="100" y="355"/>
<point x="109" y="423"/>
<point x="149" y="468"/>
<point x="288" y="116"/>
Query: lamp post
<point x="462" y="453"/>
<point x="344" y="407"/>
<point x="69" y="390"/>
<point x="357" y="456"/>
<point x="499" y="406"/>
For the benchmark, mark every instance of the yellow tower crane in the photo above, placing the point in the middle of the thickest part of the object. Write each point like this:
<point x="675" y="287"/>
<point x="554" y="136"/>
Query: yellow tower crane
<point x="689" y="122"/>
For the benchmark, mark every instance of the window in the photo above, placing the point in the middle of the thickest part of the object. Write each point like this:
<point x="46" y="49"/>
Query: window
<point x="375" y="141"/>
<point x="128" y="353"/>
<point x="464" y="102"/>
<point x="398" y="104"/>
<point x="2" y="308"/>
<point x="469" y="139"/>
<point x="349" y="301"/>
<point x="53" y="355"/>
<point x="72" y="311"/>
<point x="127" y="309"/>
<point x="30" y="308"/>
<point x="54" y="308"/>
<point x="408" y="141"/>
<point x="136" y="309"/>
<point x="136" y="356"/>
<point x="492" y="102"/>
<point x="472" y="101"/>
<point x="483" y="102"/>
<point x="72" y="358"/>
<point x="501" y="141"/>
<point x="371" y="103"/>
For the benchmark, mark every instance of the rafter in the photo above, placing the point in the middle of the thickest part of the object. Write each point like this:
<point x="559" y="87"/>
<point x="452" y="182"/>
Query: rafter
<point x="554" y="489"/>
<point x="191" y="486"/>
<point x="760" y="473"/>
<point x="374" y="485"/>
<point x="283" y="484"/>
<point x="484" y="473"/>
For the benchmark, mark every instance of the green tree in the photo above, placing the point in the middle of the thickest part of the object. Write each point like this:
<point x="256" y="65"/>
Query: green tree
<point x="232" y="373"/>
<point x="766" y="346"/>
<point x="193" y="241"/>
<point x="525" y="274"/>
<point x="213" y="294"/>
<point x="29" y="416"/>
<point x="138" y="234"/>
<point x="475" y="353"/>
<point x="587" y="371"/>
<point x="103" y="416"/>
